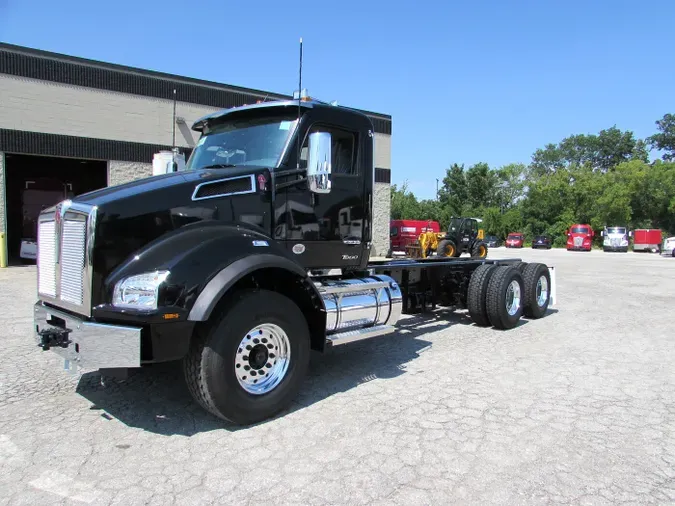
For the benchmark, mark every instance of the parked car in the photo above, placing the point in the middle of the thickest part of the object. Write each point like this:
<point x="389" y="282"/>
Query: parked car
<point x="541" y="241"/>
<point x="580" y="237"/>
<point x="668" y="247"/>
<point x="515" y="240"/>
<point x="492" y="241"/>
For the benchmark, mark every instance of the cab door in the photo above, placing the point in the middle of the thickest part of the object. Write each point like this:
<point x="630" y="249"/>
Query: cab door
<point x="327" y="229"/>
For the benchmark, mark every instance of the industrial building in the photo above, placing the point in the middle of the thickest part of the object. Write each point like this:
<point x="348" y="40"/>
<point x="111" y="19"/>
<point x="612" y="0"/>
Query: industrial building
<point x="70" y="125"/>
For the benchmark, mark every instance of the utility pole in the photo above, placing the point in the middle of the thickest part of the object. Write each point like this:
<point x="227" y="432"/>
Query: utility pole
<point x="436" y="188"/>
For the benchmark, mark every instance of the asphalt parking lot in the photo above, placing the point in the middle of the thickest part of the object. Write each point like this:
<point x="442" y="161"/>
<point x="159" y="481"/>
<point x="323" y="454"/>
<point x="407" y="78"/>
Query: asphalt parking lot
<point x="575" y="408"/>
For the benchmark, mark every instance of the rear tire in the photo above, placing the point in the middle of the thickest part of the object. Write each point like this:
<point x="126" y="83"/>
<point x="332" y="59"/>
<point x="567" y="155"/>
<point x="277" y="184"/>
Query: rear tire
<point x="520" y="265"/>
<point x="504" y="299"/>
<point x="537" y="295"/>
<point x="477" y="292"/>
<point x="214" y="366"/>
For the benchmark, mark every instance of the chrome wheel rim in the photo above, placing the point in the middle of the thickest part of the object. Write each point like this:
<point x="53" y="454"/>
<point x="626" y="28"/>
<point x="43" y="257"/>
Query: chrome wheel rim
<point x="542" y="291"/>
<point x="262" y="359"/>
<point x="513" y="298"/>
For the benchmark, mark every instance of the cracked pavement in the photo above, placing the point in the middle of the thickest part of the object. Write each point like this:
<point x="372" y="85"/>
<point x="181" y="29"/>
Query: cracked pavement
<point x="575" y="408"/>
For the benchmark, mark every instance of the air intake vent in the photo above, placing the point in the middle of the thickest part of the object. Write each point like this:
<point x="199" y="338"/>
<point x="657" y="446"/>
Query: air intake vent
<point x="224" y="187"/>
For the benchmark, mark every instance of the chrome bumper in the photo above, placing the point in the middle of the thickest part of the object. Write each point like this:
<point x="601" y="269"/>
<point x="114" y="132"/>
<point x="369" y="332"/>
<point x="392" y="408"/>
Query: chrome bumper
<point x="84" y="344"/>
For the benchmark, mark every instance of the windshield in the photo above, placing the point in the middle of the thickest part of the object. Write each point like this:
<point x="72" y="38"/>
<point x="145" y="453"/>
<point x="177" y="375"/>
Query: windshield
<point x="616" y="230"/>
<point x="515" y="236"/>
<point x="579" y="230"/>
<point x="257" y="141"/>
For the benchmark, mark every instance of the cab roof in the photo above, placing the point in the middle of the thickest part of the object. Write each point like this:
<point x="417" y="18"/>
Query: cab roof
<point x="305" y="103"/>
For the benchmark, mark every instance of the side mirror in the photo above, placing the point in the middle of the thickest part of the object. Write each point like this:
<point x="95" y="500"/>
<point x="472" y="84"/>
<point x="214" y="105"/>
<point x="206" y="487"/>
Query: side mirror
<point x="630" y="234"/>
<point x="319" y="162"/>
<point x="602" y="233"/>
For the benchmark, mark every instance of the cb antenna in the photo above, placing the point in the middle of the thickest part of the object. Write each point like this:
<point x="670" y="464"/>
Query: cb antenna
<point x="299" y="101"/>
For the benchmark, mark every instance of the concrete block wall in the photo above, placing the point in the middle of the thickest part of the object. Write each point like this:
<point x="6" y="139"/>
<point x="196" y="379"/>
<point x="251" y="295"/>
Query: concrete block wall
<point x="381" y="218"/>
<point x="3" y="218"/>
<point x="43" y="106"/>
<point x="123" y="172"/>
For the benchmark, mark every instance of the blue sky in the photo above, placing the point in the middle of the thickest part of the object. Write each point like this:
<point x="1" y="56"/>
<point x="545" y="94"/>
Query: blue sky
<point x="464" y="81"/>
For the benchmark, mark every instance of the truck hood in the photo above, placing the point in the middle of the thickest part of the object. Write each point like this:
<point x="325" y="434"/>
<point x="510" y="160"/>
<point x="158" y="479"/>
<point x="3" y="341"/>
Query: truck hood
<point x="133" y="214"/>
<point x="156" y="192"/>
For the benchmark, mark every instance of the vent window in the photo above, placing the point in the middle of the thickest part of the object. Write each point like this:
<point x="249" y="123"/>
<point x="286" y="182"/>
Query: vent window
<point x="223" y="188"/>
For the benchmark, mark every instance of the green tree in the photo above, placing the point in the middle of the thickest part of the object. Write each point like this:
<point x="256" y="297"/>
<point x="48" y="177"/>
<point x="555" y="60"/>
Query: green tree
<point x="665" y="139"/>
<point x="404" y="205"/>
<point x="453" y="194"/>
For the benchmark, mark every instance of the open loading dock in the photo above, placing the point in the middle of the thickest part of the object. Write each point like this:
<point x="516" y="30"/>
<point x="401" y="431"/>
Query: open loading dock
<point x="34" y="183"/>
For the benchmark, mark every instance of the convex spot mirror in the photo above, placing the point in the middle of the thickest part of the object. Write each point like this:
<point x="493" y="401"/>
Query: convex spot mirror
<point x="319" y="162"/>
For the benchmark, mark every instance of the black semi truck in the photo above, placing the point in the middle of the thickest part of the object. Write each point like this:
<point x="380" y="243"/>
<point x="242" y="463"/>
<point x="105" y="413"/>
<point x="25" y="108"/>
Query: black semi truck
<point x="254" y="255"/>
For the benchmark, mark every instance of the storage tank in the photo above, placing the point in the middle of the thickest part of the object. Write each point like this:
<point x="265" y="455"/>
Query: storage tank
<point x="162" y="162"/>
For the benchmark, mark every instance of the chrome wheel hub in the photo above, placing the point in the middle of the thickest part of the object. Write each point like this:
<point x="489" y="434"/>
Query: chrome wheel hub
<point x="542" y="291"/>
<point x="513" y="298"/>
<point x="262" y="359"/>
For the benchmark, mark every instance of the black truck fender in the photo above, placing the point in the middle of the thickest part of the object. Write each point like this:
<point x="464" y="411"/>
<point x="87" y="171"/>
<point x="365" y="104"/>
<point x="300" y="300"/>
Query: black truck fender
<point x="210" y="260"/>
<point x="266" y="270"/>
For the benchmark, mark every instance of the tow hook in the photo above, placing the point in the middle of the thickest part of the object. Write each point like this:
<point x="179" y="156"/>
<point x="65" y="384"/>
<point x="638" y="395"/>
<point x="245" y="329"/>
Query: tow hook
<point x="52" y="338"/>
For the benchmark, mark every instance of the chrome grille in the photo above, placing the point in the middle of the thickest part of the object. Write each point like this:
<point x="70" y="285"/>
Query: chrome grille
<point x="72" y="261"/>
<point x="615" y="242"/>
<point x="578" y="241"/>
<point x="65" y="245"/>
<point x="47" y="258"/>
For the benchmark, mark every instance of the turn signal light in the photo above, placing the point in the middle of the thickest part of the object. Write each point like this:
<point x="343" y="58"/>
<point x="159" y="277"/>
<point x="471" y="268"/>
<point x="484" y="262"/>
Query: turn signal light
<point x="171" y="316"/>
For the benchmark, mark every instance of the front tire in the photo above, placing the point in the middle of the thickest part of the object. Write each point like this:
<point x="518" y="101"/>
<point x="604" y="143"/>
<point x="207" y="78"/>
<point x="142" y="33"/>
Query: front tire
<point x="249" y="362"/>
<point x="479" y="250"/>
<point x="447" y="248"/>
<point x="504" y="300"/>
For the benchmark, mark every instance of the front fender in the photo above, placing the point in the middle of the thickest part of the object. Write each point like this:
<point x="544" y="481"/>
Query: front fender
<point x="204" y="259"/>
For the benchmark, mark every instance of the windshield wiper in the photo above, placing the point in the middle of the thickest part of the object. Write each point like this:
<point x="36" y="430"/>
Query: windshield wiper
<point x="218" y="166"/>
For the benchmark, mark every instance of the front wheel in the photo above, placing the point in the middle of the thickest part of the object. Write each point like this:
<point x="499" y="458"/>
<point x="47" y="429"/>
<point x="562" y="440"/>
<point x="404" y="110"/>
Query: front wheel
<point x="249" y="362"/>
<point x="447" y="248"/>
<point x="479" y="250"/>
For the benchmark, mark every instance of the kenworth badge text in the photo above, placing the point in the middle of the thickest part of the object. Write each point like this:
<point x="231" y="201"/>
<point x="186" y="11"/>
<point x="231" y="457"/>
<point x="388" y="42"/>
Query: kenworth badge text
<point x="228" y="265"/>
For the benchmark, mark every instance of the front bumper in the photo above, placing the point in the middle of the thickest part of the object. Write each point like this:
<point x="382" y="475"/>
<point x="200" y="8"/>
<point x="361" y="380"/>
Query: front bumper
<point x="609" y="247"/>
<point x="84" y="344"/>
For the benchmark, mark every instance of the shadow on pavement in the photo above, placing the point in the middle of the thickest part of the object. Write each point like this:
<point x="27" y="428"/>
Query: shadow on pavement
<point x="156" y="398"/>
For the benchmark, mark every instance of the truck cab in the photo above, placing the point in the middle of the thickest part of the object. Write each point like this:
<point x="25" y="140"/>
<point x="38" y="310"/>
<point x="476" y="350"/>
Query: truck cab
<point x="580" y="237"/>
<point x="615" y="238"/>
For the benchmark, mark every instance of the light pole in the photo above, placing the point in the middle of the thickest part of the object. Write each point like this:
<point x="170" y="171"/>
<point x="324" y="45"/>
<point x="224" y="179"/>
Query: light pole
<point x="436" y="188"/>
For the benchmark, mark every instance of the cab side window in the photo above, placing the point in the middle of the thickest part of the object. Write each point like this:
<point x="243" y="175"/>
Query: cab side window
<point x="343" y="150"/>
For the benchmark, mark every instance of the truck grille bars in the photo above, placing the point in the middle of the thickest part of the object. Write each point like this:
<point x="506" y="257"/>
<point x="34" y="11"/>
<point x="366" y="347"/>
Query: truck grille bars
<point x="64" y="260"/>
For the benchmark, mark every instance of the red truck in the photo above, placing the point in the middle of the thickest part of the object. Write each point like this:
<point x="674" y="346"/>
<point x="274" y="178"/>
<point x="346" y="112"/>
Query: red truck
<point x="404" y="232"/>
<point x="580" y="237"/>
<point x="647" y="239"/>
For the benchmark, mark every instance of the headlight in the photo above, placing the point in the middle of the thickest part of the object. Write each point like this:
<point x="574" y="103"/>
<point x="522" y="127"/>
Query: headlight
<point x="140" y="291"/>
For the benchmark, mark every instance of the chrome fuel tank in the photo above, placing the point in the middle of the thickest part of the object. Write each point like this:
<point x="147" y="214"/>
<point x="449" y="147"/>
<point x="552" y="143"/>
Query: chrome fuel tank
<point x="360" y="302"/>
